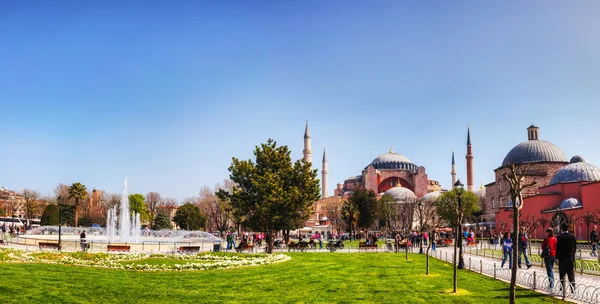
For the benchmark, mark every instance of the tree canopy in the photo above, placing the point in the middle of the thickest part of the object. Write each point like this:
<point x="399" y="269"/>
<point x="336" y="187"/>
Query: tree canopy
<point x="447" y="206"/>
<point x="271" y="193"/>
<point x="50" y="216"/>
<point x="137" y="204"/>
<point x="189" y="217"/>
<point x="161" y="221"/>
<point x="366" y="204"/>
<point x="78" y="191"/>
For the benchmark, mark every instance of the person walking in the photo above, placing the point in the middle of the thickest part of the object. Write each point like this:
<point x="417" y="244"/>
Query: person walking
<point x="523" y="247"/>
<point x="320" y="241"/>
<point x="507" y="248"/>
<point x="566" y="246"/>
<point x="549" y="255"/>
<point x="82" y="240"/>
<point x="594" y="241"/>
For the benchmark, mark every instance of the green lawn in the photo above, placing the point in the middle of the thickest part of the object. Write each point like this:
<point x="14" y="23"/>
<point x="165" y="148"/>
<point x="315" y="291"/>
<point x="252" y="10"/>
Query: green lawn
<point x="306" y="278"/>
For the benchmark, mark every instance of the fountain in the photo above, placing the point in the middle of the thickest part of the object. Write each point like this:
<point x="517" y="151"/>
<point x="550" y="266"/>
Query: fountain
<point x="129" y="225"/>
<point x="129" y="232"/>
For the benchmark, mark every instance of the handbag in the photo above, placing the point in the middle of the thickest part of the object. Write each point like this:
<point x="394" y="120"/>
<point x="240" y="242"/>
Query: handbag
<point x="545" y="252"/>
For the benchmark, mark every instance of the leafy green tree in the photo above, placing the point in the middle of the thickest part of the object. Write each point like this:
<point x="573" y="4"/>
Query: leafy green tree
<point x="189" y="217"/>
<point x="50" y="216"/>
<point x="350" y="215"/>
<point x="447" y="206"/>
<point x="161" y="221"/>
<point x="137" y="204"/>
<point x="366" y="204"/>
<point x="387" y="211"/>
<point x="78" y="191"/>
<point x="271" y="194"/>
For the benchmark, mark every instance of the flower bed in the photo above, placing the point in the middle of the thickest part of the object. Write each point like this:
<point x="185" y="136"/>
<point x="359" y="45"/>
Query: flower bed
<point x="199" y="261"/>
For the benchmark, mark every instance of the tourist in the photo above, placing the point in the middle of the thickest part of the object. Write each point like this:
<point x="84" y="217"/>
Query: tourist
<point x="549" y="254"/>
<point x="434" y="238"/>
<point x="425" y="238"/>
<point x="507" y="248"/>
<point x="593" y="240"/>
<point x="320" y="241"/>
<point x="566" y="246"/>
<point x="523" y="247"/>
<point x="82" y="241"/>
<point x="398" y="240"/>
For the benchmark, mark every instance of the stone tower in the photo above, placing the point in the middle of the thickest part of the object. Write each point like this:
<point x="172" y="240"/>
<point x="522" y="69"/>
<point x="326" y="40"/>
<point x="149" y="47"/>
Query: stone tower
<point x="469" y="158"/>
<point x="453" y="173"/>
<point x="324" y="174"/>
<point x="307" y="151"/>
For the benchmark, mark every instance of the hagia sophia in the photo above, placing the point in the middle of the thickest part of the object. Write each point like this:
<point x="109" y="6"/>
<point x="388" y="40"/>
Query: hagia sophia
<point x="563" y="188"/>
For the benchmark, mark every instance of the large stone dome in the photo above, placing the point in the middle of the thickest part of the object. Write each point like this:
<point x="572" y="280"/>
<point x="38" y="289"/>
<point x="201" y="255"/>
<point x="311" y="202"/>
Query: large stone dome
<point x="534" y="151"/>
<point x="577" y="171"/>
<point x="401" y="194"/>
<point x="392" y="161"/>
<point x="431" y="196"/>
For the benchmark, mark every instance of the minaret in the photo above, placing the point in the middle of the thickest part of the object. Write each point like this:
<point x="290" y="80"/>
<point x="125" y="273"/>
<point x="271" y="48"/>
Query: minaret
<point x="453" y="173"/>
<point x="307" y="152"/>
<point x="469" y="158"/>
<point x="324" y="174"/>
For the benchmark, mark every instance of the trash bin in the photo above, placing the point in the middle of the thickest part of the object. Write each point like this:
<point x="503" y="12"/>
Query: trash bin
<point x="216" y="246"/>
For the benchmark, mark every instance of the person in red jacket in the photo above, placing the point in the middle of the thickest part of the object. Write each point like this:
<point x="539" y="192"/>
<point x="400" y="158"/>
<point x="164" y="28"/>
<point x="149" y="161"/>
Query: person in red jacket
<point x="549" y="252"/>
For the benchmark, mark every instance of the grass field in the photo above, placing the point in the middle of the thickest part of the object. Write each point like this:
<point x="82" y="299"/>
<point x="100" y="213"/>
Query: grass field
<point x="306" y="278"/>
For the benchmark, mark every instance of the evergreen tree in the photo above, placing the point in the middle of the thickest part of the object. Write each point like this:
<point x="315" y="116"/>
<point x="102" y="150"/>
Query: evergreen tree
<point x="50" y="216"/>
<point x="137" y="204"/>
<point x="272" y="194"/>
<point x="366" y="204"/>
<point x="161" y="221"/>
<point x="189" y="217"/>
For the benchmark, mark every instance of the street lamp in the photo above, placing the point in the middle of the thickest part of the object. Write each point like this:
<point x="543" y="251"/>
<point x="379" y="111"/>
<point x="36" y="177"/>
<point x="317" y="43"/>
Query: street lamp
<point x="421" y="207"/>
<point x="59" y="222"/>
<point x="459" y="188"/>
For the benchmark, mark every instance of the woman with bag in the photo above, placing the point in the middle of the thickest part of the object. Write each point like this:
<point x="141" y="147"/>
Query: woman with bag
<point x="549" y="254"/>
<point x="507" y="250"/>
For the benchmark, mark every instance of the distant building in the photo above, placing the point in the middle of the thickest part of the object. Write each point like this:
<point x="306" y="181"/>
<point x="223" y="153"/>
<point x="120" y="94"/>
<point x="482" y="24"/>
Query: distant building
<point x="11" y="203"/>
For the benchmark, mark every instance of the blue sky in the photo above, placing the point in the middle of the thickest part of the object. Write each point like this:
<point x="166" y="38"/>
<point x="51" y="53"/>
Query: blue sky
<point x="165" y="93"/>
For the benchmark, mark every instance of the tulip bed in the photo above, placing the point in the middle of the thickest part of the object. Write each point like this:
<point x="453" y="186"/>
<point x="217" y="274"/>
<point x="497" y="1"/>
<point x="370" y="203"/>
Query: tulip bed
<point x="141" y="261"/>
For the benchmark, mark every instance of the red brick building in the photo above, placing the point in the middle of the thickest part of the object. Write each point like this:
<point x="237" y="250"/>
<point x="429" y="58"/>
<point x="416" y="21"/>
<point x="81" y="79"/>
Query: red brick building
<point x="542" y="159"/>
<point x="572" y="191"/>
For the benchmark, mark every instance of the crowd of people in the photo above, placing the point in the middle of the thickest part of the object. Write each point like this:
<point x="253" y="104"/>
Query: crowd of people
<point x="12" y="230"/>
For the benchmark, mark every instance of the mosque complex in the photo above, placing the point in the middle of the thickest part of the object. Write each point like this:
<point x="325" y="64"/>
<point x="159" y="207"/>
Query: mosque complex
<point x="564" y="189"/>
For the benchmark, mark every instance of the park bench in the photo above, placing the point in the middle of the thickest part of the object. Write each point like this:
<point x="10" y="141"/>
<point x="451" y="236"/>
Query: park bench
<point x="189" y="249"/>
<point x="118" y="248"/>
<point x="444" y="242"/>
<point x="298" y="246"/>
<point x="365" y="246"/>
<point x="2" y="243"/>
<point x="472" y="244"/>
<point x="48" y="245"/>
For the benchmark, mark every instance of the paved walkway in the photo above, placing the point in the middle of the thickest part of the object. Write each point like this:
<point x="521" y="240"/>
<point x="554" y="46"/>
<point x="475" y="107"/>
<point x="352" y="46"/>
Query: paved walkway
<point x="587" y="280"/>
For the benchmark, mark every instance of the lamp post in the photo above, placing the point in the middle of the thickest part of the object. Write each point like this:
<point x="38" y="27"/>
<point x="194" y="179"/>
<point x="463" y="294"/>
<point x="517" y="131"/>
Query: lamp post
<point x="59" y="222"/>
<point x="459" y="188"/>
<point x="421" y="207"/>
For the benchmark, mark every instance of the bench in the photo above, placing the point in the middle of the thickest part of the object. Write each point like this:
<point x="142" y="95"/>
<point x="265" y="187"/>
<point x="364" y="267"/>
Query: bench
<point x="302" y="246"/>
<point x="118" y="248"/>
<point x="189" y="249"/>
<point x="472" y="244"/>
<point x="48" y="245"/>
<point x="364" y="245"/>
<point x="2" y="242"/>
<point x="248" y="247"/>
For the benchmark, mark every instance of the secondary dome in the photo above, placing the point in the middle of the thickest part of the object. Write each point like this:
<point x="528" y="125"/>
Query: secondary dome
<point x="401" y="194"/>
<point x="534" y="150"/>
<point x="431" y="196"/>
<point x="577" y="171"/>
<point x="570" y="203"/>
<point x="393" y="160"/>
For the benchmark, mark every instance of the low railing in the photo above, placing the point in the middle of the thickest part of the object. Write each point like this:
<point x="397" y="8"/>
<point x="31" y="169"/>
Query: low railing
<point x="582" y="266"/>
<point x="533" y="281"/>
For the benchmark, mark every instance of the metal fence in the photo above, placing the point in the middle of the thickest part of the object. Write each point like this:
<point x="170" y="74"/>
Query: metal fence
<point x="533" y="281"/>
